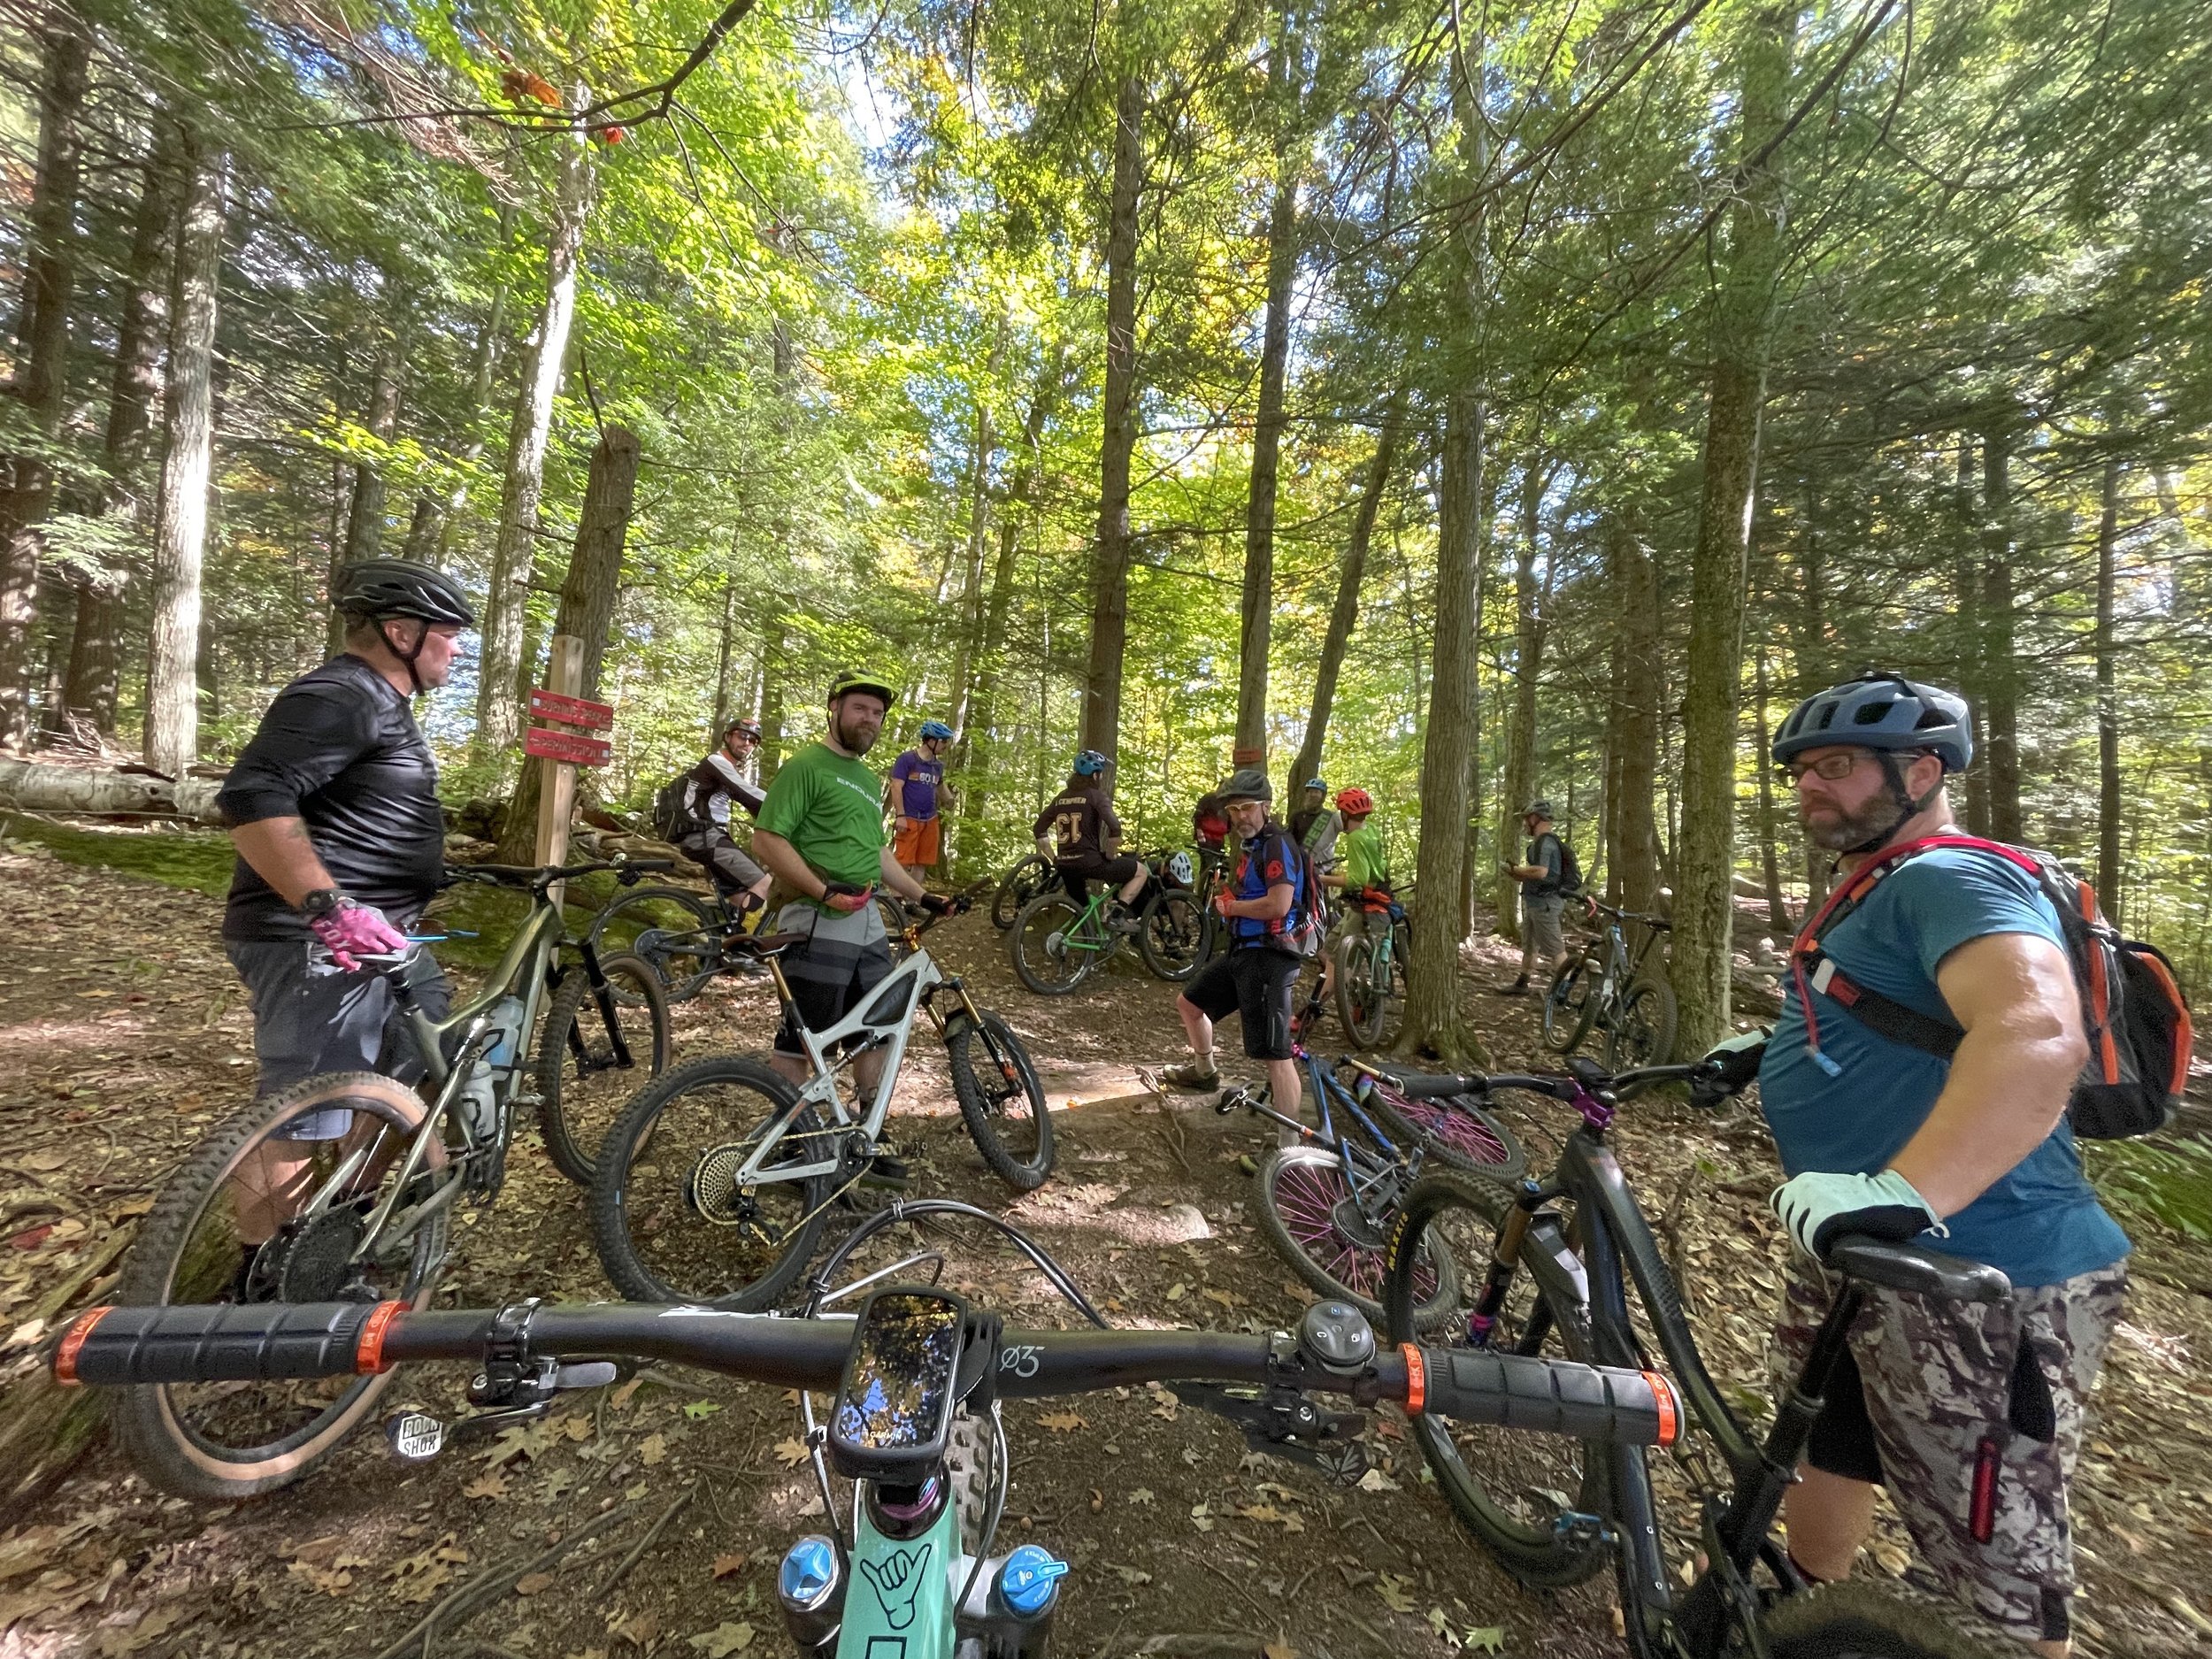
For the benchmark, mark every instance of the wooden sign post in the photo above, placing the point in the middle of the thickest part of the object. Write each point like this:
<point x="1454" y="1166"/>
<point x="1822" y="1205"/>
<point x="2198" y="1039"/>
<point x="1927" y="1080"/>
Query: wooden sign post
<point x="561" y="752"/>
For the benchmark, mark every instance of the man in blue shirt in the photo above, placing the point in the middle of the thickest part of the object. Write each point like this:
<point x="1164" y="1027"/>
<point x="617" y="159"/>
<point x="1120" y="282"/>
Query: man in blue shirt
<point x="916" y="778"/>
<point x="1970" y="1415"/>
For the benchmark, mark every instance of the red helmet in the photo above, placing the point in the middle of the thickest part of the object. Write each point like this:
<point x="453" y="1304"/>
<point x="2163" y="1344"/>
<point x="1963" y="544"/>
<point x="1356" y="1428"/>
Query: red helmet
<point x="1358" y="802"/>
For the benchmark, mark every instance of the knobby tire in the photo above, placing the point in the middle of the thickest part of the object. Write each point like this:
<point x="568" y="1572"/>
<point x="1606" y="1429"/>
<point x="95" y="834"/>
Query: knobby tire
<point x="1303" y="1210"/>
<point x="1006" y="1115"/>
<point x="573" y="1104"/>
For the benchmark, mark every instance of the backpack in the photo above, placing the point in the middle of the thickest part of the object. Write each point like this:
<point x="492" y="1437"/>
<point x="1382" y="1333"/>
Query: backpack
<point x="2133" y="1013"/>
<point x="1301" y="933"/>
<point x="671" y="819"/>
<point x="1570" y="866"/>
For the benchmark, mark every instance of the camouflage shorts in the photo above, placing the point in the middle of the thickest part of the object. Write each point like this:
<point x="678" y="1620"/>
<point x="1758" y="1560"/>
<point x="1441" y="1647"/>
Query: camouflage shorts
<point x="1941" y="1391"/>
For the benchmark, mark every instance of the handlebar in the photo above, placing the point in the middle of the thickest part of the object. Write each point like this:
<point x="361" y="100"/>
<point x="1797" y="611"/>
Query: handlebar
<point x="537" y="876"/>
<point x="1434" y="1086"/>
<point x="114" y="1347"/>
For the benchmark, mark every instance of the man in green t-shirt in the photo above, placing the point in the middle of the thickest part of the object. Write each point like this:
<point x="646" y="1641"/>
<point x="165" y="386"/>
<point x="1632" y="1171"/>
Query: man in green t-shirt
<point x="1363" y="868"/>
<point x="820" y="831"/>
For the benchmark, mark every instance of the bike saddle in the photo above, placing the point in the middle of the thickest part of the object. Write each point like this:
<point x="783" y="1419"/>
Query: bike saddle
<point x="760" y="946"/>
<point x="1910" y="1267"/>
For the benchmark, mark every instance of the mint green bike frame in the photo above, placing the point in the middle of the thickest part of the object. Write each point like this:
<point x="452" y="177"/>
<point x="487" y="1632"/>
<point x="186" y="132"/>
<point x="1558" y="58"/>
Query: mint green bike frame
<point x="899" y="1598"/>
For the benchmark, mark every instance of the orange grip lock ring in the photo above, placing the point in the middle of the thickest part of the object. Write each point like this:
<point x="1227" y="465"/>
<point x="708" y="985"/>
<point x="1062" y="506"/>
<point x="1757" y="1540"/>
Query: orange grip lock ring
<point x="368" y="1353"/>
<point x="1416" y="1379"/>
<point x="1669" y="1408"/>
<point x="65" y="1355"/>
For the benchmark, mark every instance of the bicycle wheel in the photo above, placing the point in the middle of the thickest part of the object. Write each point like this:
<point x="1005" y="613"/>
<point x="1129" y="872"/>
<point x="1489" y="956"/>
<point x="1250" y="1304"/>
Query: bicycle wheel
<point x="1052" y="955"/>
<point x="892" y="909"/>
<point x="1642" y="1031"/>
<point x="1001" y="1101"/>
<point x="214" y="1237"/>
<point x="684" y="925"/>
<point x="1858" y="1618"/>
<point x="1359" y="1008"/>
<point x="1456" y="1129"/>
<point x="1506" y="1487"/>
<point x="1307" y="1210"/>
<point x="1172" y="934"/>
<point x="1571" y="1004"/>
<point x="673" y="1225"/>
<point x="1023" y="882"/>
<point x="581" y="1086"/>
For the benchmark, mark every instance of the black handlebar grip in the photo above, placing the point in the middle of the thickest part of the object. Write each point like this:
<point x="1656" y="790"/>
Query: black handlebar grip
<point x="1514" y="1391"/>
<point x="1423" y="1085"/>
<point x="258" y="1342"/>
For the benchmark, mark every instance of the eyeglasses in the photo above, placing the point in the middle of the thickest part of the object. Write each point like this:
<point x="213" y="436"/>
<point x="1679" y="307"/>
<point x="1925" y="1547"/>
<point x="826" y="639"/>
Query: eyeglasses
<point x="1834" y="767"/>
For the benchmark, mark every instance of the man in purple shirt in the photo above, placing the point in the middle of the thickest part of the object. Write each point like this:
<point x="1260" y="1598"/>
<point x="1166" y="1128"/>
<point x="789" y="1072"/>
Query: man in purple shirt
<point x="915" y="777"/>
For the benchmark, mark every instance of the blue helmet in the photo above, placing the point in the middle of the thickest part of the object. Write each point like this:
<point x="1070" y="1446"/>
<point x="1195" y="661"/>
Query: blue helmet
<point x="1089" y="763"/>
<point x="1321" y="784"/>
<point x="936" y="728"/>
<point x="1885" y="712"/>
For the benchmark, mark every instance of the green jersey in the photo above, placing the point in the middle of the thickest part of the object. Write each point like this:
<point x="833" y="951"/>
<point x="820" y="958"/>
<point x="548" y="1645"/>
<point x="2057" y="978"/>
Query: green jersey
<point x="1365" y="862"/>
<point x="830" y="807"/>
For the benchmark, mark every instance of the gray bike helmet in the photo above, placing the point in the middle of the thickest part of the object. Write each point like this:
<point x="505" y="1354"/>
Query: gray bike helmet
<point x="1248" y="783"/>
<point x="376" y="588"/>
<point x="1884" y="712"/>
<point x="1539" y="808"/>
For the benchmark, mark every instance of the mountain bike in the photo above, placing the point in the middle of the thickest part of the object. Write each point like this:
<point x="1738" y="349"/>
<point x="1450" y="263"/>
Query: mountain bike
<point x="1059" y="942"/>
<point x="1557" y="1267"/>
<point x="1180" y="931"/>
<point x="716" y="1182"/>
<point x="916" y="1376"/>
<point x="1327" y="1203"/>
<point x="1371" y="968"/>
<point x="1024" y="879"/>
<point x="256" y="1214"/>
<point x="1604" y="987"/>
<point x="682" y="932"/>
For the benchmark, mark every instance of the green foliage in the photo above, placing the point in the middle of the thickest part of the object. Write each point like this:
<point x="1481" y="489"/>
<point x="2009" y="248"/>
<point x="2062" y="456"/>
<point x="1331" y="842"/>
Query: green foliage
<point x="2168" y="1181"/>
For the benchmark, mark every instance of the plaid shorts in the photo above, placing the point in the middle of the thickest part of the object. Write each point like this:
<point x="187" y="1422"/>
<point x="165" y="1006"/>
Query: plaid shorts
<point x="1937" y="1398"/>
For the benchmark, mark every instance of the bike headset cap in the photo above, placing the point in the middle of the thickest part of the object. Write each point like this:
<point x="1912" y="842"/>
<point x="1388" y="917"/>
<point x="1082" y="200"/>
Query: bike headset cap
<point x="936" y="728"/>
<point x="1089" y="763"/>
<point x="1358" y="802"/>
<point x="1891" y="715"/>
<point x="854" y="679"/>
<point x="1248" y="783"/>
<point x="371" y="590"/>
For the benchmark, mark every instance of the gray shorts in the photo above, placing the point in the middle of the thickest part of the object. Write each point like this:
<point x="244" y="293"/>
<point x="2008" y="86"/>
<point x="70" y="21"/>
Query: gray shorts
<point x="1936" y="1393"/>
<point x="309" y="1016"/>
<point x="1541" y="940"/>
<point x="844" y="956"/>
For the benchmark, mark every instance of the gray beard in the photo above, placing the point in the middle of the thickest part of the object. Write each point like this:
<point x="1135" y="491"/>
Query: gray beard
<point x="1849" y="831"/>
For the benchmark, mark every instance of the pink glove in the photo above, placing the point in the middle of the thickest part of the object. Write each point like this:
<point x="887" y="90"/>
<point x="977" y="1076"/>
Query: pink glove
<point x="356" y="928"/>
<point x="842" y="895"/>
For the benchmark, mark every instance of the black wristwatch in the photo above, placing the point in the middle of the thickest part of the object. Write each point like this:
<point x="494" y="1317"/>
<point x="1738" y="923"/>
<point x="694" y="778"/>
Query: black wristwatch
<point x="320" y="902"/>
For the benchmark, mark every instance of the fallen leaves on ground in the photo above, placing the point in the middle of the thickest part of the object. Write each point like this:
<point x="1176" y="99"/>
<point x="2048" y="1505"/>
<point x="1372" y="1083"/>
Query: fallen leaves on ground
<point x="724" y="1640"/>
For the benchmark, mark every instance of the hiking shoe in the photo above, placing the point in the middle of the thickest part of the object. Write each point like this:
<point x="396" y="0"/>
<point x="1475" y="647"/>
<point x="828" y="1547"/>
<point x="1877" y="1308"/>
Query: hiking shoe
<point x="1190" y="1074"/>
<point x="1124" y="920"/>
<point x="1519" y="988"/>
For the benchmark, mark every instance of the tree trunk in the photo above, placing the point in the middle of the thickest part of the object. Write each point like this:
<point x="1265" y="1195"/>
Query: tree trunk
<point x="1636" y="824"/>
<point x="29" y="785"/>
<point x="979" y="735"/>
<point x="173" y="728"/>
<point x="2108" y="700"/>
<point x="41" y="371"/>
<point x="1345" y="613"/>
<point x="725" y="647"/>
<point x="775" y="665"/>
<point x="1816" y="671"/>
<point x="1433" y="1022"/>
<point x="1999" y="674"/>
<point x="94" y="655"/>
<point x="1520" y="785"/>
<point x="1110" y="564"/>
<point x="587" y="608"/>
<point x="430" y="532"/>
<point x="1742" y="326"/>
<point x="1267" y="436"/>
<point x="364" y="524"/>
<point x="513" y="555"/>
<point x="979" y="534"/>
<point x="1769" y="827"/>
<point x="1967" y="609"/>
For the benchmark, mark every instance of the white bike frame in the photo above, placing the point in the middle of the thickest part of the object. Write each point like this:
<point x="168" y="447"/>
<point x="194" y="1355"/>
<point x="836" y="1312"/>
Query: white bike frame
<point x="885" y="1020"/>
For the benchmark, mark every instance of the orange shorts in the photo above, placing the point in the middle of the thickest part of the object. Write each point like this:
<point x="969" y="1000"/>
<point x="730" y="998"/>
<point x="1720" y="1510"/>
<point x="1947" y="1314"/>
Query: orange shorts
<point x="918" y="842"/>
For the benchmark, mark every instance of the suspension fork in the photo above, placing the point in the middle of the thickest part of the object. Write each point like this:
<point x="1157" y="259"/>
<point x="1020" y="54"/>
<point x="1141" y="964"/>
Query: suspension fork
<point x="1505" y="1260"/>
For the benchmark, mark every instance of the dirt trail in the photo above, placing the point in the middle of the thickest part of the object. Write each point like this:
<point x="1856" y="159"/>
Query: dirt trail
<point x="122" y="1037"/>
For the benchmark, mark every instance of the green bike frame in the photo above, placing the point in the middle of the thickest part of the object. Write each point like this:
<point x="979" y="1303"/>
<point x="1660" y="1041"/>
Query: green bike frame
<point x="899" y="1599"/>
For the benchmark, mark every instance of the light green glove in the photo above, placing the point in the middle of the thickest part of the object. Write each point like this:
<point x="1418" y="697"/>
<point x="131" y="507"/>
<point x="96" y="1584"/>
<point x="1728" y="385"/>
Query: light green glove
<point x="1817" y="1208"/>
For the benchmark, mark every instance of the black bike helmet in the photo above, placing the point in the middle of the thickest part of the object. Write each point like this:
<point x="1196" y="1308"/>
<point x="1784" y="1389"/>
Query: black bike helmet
<point x="1884" y="712"/>
<point x="376" y="588"/>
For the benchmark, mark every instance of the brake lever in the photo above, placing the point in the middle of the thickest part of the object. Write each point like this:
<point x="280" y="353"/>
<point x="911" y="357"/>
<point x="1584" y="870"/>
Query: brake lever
<point x="1281" y="1422"/>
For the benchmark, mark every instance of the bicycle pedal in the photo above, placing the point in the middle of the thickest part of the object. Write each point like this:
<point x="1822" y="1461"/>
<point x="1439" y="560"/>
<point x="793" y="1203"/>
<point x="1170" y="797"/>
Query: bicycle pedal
<point x="1578" y="1530"/>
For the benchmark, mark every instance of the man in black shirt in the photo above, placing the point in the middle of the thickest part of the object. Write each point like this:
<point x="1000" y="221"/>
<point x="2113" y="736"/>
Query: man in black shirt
<point x="333" y="809"/>
<point x="711" y="790"/>
<point x="1079" y="833"/>
<point x="1543" y="882"/>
